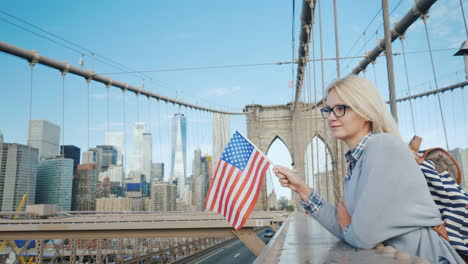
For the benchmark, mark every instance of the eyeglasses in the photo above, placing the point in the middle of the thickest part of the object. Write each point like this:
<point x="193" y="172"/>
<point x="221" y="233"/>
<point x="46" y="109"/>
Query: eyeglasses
<point x="338" y="110"/>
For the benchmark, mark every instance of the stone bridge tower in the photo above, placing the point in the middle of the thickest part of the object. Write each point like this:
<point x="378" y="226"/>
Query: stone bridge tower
<point x="296" y="129"/>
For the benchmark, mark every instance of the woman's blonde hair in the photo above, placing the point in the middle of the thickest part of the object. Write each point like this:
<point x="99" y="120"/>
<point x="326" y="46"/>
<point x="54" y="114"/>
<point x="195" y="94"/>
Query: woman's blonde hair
<point x="365" y="99"/>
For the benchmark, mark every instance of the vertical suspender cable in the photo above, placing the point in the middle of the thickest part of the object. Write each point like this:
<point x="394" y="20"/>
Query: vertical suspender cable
<point x="28" y="151"/>
<point x="88" y="108"/>
<point x="337" y="46"/>
<point x="109" y="150"/>
<point x="149" y="115"/>
<point x="462" y="103"/>
<point x="435" y="81"/>
<point x="124" y="156"/>
<point x="293" y="47"/>
<point x="402" y="38"/>
<point x="323" y="83"/>
<point x="159" y="133"/>
<point x="62" y="178"/>
<point x="312" y="156"/>
<point x="464" y="18"/>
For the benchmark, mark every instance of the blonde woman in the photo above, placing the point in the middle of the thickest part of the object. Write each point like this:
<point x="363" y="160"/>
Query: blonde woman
<point x="386" y="198"/>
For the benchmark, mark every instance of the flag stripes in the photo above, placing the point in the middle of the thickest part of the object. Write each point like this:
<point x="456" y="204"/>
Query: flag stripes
<point x="237" y="181"/>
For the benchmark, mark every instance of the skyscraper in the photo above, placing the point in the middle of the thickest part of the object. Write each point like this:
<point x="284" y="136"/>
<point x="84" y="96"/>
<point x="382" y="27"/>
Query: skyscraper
<point x="54" y="182"/>
<point x="45" y="136"/>
<point x="71" y="152"/>
<point x="141" y="158"/>
<point x="109" y="157"/>
<point x="116" y="139"/>
<point x="18" y="170"/>
<point x="179" y="151"/>
<point x="157" y="172"/>
<point x="93" y="155"/>
<point x="146" y="154"/>
<point x="84" y="188"/>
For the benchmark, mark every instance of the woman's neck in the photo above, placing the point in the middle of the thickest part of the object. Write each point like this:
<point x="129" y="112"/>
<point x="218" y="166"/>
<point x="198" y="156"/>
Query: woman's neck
<point x="352" y="142"/>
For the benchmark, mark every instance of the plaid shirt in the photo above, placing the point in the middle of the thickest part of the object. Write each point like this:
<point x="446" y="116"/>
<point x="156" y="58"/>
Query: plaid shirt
<point x="315" y="200"/>
<point x="353" y="155"/>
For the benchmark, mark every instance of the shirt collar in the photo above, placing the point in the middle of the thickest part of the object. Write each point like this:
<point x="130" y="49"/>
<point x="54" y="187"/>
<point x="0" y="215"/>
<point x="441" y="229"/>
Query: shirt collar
<point x="355" y="153"/>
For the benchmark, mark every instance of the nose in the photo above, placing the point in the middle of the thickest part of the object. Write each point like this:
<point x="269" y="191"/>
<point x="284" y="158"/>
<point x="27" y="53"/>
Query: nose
<point x="331" y="116"/>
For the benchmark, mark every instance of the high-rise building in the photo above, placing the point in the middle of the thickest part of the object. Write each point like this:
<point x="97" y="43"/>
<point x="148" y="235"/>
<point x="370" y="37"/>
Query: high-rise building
<point x="93" y="155"/>
<point x="147" y="154"/>
<point x="179" y="151"/>
<point x="109" y="156"/>
<point x="18" y="170"/>
<point x="114" y="173"/>
<point x="157" y="172"/>
<point x="84" y="188"/>
<point x="198" y="192"/>
<point x="45" y="136"/>
<point x="197" y="162"/>
<point x="162" y="196"/>
<point x="141" y="158"/>
<point x="116" y="139"/>
<point x="54" y="182"/>
<point x="461" y="156"/>
<point x="71" y="152"/>
<point x="221" y="133"/>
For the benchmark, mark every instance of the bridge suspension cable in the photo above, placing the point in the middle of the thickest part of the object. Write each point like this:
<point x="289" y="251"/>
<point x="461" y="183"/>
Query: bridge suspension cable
<point x="30" y="55"/>
<point x="435" y="81"/>
<point x="400" y="28"/>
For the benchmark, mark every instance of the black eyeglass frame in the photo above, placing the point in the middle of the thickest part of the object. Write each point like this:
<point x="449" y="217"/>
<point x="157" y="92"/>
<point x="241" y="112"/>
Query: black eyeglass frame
<point x="326" y="111"/>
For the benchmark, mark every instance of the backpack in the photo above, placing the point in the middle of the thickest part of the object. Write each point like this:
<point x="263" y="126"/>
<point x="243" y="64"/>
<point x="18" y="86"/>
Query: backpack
<point x="443" y="176"/>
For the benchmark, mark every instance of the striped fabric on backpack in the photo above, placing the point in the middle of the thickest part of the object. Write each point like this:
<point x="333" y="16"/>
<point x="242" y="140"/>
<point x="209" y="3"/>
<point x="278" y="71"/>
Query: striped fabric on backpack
<point x="443" y="176"/>
<point x="451" y="201"/>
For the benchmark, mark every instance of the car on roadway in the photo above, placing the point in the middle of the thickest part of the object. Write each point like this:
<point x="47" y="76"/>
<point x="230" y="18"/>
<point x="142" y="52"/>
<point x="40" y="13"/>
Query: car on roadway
<point x="269" y="233"/>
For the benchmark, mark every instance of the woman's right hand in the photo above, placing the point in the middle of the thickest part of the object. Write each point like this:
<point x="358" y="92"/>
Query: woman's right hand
<point x="289" y="178"/>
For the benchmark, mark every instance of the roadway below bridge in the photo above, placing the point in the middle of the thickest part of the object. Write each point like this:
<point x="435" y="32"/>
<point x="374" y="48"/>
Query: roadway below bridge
<point x="233" y="252"/>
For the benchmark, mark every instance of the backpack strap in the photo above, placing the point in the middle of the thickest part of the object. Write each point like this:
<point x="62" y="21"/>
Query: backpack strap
<point x="443" y="161"/>
<point x="442" y="230"/>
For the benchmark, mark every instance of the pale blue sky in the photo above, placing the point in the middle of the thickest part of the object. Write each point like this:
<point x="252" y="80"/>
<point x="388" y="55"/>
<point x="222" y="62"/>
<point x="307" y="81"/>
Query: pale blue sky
<point x="156" y="35"/>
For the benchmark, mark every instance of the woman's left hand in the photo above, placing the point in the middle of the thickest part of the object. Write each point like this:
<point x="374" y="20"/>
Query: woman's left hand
<point x="344" y="219"/>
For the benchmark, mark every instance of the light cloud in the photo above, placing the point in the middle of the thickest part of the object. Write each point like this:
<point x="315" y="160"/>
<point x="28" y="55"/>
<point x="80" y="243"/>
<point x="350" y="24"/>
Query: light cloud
<point x="223" y="91"/>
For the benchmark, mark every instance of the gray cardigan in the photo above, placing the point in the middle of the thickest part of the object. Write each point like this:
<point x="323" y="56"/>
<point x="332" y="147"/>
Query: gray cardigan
<point x="389" y="201"/>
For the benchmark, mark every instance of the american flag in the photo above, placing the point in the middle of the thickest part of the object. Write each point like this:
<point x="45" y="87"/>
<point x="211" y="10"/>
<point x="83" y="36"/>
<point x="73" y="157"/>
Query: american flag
<point x="237" y="181"/>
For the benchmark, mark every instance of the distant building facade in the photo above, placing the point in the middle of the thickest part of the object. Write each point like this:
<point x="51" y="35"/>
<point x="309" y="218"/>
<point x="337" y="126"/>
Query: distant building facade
<point x="71" y="152"/>
<point x="141" y="158"/>
<point x="157" y="172"/>
<point x="18" y="170"/>
<point x="117" y="140"/>
<point x="45" y="136"/>
<point x="163" y="196"/>
<point x="109" y="156"/>
<point x="84" y="188"/>
<point x="54" y="182"/>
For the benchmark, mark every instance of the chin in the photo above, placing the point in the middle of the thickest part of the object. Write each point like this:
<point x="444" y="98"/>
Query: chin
<point x="337" y="135"/>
